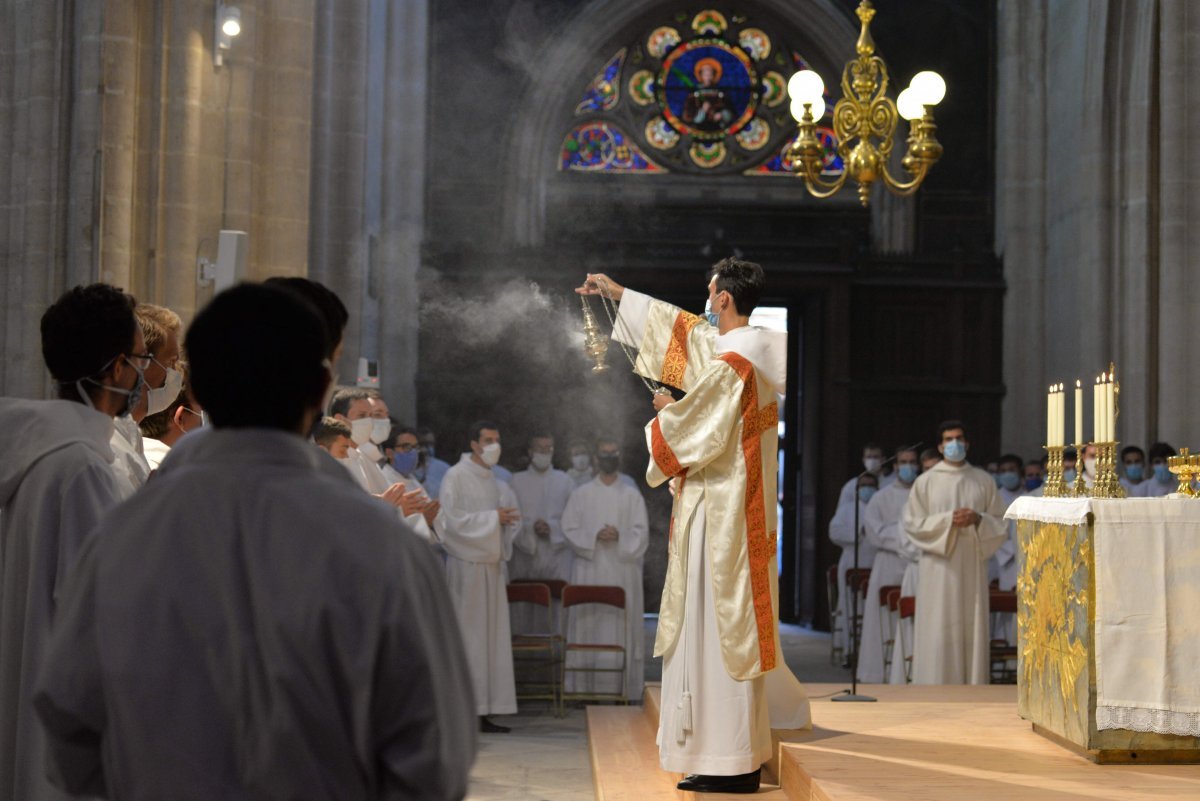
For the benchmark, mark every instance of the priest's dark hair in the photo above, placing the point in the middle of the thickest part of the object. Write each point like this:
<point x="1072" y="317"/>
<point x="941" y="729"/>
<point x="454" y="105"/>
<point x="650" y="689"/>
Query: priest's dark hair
<point x="258" y="337"/>
<point x="344" y="397"/>
<point x="1161" y="450"/>
<point x="1128" y="449"/>
<point x="84" y="331"/>
<point x="1011" y="458"/>
<point x="479" y="425"/>
<point x="743" y="280"/>
<point x="329" y="305"/>
<point x="950" y="425"/>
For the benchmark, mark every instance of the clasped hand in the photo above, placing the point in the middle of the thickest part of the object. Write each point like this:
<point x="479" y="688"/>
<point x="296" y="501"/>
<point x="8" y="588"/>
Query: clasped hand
<point x="965" y="517"/>
<point x="608" y="534"/>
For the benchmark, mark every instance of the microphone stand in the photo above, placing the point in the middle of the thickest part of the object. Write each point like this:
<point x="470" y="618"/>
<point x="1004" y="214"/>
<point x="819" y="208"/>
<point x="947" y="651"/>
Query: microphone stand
<point x="852" y="693"/>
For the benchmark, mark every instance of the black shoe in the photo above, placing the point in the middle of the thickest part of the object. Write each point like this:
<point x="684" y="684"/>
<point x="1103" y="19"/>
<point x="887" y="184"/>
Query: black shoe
<point x="699" y="783"/>
<point x="487" y="727"/>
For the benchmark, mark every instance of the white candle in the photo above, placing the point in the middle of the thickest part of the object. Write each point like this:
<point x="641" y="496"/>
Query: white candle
<point x="1096" y="432"/>
<point x="1050" y="416"/>
<point x="1062" y="415"/>
<point x="1079" y="411"/>
<point x="1110" y="407"/>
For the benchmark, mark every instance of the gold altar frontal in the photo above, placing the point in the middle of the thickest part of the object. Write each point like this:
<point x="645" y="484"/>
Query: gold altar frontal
<point x="1056" y="668"/>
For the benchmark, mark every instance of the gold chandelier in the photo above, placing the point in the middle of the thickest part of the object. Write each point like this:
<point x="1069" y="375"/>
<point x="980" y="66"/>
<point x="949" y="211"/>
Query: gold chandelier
<point x="864" y="121"/>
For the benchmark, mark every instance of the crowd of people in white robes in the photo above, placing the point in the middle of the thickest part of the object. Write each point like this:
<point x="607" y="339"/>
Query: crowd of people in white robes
<point x="934" y="527"/>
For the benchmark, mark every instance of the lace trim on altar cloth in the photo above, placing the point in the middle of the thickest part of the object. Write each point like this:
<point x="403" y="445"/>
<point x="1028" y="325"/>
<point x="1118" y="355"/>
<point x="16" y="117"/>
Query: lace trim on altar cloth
<point x="1065" y="511"/>
<point x="1159" y="721"/>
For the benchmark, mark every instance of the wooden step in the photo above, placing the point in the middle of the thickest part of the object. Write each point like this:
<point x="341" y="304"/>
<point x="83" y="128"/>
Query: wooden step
<point x="652" y="698"/>
<point x="624" y="757"/>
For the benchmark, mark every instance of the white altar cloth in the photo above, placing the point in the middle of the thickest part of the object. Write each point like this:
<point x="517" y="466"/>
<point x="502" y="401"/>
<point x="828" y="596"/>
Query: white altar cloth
<point x="1147" y="613"/>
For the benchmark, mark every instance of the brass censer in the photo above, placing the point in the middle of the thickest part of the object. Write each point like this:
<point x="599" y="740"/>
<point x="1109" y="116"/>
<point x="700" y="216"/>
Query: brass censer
<point x="595" y="343"/>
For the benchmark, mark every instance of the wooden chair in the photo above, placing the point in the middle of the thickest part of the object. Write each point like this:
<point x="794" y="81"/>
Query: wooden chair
<point x="1003" y="654"/>
<point x="536" y="656"/>
<point x="579" y="595"/>
<point x="836" y="652"/>
<point x="888" y="627"/>
<point x="908" y="610"/>
<point x="857" y="580"/>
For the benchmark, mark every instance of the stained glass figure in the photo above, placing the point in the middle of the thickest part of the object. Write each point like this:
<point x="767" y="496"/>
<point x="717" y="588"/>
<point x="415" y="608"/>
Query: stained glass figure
<point x="708" y="88"/>
<point x="605" y="89"/>
<point x="600" y="147"/>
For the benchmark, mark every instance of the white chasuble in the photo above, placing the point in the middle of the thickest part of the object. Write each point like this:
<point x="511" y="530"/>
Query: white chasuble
<point x="950" y="632"/>
<point x="718" y="620"/>
<point x="477" y="546"/>
<point x="617" y="563"/>
<point x="884" y="532"/>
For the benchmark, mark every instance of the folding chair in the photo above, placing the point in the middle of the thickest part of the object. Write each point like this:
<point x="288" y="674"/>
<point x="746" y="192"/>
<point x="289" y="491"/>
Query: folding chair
<point x="836" y="652"/>
<point x="888" y="627"/>
<point x="1003" y="654"/>
<point x="582" y="595"/>
<point x="908" y="611"/>
<point x="536" y="656"/>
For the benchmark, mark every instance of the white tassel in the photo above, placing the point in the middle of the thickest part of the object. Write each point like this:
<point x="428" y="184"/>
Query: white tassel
<point x="683" y="717"/>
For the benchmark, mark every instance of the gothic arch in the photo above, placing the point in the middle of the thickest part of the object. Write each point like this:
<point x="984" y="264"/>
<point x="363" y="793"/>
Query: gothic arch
<point x="824" y="31"/>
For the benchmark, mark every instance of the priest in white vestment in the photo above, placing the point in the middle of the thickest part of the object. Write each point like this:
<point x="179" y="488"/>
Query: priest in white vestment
<point x="483" y="518"/>
<point x="56" y="482"/>
<point x="1003" y="565"/>
<point x="954" y="515"/>
<point x="718" y="621"/>
<point x="884" y="531"/>
<point x="542" y="493"/>
<point x="606" y="526"/>
<point x="251" y="624"/>
<point x="841" y="533"/>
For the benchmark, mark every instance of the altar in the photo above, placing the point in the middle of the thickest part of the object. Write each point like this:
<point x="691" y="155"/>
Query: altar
<point x="1109" y="625"/>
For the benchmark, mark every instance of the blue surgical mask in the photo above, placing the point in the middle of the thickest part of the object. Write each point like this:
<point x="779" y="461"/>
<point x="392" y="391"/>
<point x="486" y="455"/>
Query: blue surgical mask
<point x="907" y="473"/>
<point x="709" y="314"/>
<point x="1032" y="483"/>
<point x="955" y="450"/>
<point x="1009" y="481"/>
<point x="1135" y="472"/>
<point x="996" y="478"/>
<point x="1162" y="474"/>
<point x="1069" y="475"/>
<point x="405" y="461"/>
<point x="865" y="493"/>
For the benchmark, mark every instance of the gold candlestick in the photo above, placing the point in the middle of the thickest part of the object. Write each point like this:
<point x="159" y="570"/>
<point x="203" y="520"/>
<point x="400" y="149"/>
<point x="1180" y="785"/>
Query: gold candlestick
<point x="1107" y="483"/>
<point x="1181" y="466"/>
<point x="595" y="344"/>
<point x="1055" y="487"/>
<point x="1080" y="488"/>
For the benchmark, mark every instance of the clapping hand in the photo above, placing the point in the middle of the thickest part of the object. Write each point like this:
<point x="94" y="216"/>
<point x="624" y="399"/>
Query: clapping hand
<point x="509" y="515"/>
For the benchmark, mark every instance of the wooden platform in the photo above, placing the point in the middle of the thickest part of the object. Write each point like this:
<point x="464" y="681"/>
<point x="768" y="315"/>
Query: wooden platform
<point x="935" y="743"/>
<point x="624" y="758"/>
<point x="922" y="743"/>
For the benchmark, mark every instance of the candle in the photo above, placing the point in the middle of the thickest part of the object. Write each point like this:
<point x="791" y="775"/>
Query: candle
<point x="1110" y="407"/>
<point x="1096" y="411"/>
<point x="1079" y="411"/>
<point x="1062" y="415"/>
<point x="1050" y="416"/>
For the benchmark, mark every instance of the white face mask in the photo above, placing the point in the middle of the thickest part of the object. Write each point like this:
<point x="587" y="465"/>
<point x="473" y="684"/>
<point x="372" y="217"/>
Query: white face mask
<point x="581" y="461"/>
<point x="872" y="463"/>
<point x="491" y="454"/>
<point x="541" y="461"/>
<point x="360" y="430"/>
<point x="157" y="400"/>
<point x="380" y="430"/>
<point x="1089" y="466"/>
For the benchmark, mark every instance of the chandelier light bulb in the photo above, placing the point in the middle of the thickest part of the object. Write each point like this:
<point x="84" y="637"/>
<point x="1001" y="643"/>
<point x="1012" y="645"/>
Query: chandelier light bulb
<point x="806" y="86"/>
<point x="929" y="87"/>
<point x="910" y="105"/>
<point x="797" y="108"/>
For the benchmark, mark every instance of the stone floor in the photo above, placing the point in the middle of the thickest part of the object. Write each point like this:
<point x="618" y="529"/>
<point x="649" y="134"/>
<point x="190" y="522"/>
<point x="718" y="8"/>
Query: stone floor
<point x="545" y="758"/>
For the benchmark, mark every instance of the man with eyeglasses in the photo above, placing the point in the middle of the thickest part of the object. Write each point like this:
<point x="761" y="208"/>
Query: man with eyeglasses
<point x="160" y="329"/>
<point x="55" y="483"/>
<point x="402" y="451"/>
